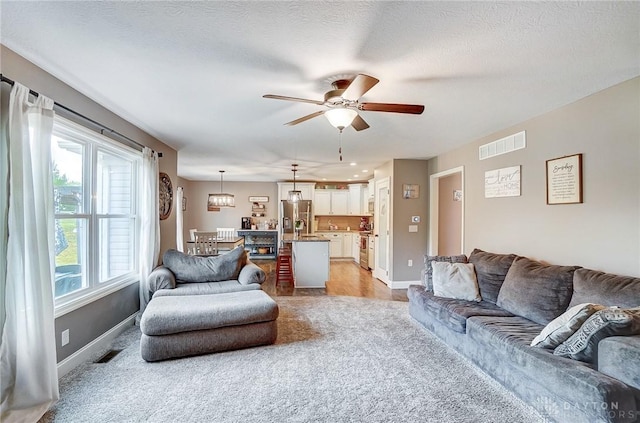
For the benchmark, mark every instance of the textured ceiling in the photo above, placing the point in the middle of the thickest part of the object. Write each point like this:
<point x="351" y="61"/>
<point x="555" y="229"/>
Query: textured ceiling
<point x="193" y="73"/>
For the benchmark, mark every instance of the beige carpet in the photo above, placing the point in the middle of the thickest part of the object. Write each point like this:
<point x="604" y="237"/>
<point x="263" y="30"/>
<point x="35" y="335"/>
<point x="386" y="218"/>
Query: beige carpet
<point x="337" y="359"/>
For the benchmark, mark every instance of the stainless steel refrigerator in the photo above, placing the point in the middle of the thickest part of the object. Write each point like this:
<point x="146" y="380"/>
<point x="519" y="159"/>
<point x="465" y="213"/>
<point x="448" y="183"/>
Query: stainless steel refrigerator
<point x="305" y="213"/>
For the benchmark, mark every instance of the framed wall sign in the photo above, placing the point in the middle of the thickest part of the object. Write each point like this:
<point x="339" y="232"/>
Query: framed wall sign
<point x="258" y="199"/>
<point x="564" y="180"/>
<point x="503" y="182"/>
<point x="410" y="191"/>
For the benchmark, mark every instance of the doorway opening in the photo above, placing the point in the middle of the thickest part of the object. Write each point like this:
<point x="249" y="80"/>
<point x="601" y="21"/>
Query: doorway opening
<point x="446" y="211"/>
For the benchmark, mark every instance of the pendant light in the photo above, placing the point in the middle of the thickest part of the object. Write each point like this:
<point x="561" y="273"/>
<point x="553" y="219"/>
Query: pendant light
<point x="294" y="194"/>
<point x="222" y="199"/>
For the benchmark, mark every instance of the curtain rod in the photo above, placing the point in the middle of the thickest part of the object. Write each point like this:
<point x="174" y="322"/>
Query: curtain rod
<point x="80" y="115"/>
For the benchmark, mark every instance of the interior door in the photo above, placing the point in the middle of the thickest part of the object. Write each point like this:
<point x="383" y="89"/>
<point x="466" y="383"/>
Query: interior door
<point x="381" y="229"/>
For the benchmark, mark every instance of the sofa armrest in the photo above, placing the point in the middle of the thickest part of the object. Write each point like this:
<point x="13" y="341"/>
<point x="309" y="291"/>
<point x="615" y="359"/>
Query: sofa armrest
<point x="616" y="358"/>
<point x="251" y="273"/>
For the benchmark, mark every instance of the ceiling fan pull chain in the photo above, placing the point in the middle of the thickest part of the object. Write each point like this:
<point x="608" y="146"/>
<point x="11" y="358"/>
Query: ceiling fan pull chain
<point x="340" y="145"/>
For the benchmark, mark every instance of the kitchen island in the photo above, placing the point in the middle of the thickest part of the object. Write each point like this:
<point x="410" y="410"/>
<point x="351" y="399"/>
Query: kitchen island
<point x="310" y="256"/>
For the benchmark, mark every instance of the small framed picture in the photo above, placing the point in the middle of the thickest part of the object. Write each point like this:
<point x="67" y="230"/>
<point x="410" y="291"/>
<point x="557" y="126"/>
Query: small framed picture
<point x="259" y="198"/>
<point x="410" y="191"/>
<point x="184" y="203"/>
<point x="457" y="195"/>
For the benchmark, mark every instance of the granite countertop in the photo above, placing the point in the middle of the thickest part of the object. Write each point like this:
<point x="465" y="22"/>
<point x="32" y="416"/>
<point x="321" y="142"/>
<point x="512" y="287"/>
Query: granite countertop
<point x="304" y="238"/>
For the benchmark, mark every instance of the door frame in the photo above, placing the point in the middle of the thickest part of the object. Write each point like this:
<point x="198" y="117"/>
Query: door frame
<point x="382" y="274"/>
<point x="434" y="187"/>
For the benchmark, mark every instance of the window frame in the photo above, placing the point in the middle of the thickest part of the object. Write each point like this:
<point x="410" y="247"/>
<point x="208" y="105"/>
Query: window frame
<point x="93" y="143"/>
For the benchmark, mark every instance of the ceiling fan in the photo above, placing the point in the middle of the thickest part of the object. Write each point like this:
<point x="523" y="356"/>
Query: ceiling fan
<point x="343" y="103"/>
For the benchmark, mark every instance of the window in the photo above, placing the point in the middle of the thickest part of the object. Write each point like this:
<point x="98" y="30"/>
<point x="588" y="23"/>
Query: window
<point x="96" y="223"/>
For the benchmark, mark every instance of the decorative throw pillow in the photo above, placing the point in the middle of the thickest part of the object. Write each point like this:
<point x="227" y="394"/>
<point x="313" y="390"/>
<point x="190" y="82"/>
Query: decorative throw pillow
<point x="428" y="269"/>
<point x="565" y="325"/>
<point x="491" y="269"/>
<point x="455" y="280"/>
<point x="536" y="291"/>
<point x="612" y="321"/>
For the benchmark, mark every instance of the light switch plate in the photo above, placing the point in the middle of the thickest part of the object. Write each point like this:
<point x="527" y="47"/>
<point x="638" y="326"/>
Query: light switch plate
<point x="415" y="219"/>
<point x="413" y="228"/>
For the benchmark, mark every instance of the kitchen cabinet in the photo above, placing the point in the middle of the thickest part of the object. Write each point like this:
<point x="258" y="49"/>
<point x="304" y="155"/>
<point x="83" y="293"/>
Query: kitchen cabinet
<point x="306" y="188"/>
<point x="335" y="244"/>
<point x="359" y="199"/>
<point x="328" y="202"/>
<point x="355" y="248"/>
<point x="260" y="244"/>
<point x="347" y="247"/>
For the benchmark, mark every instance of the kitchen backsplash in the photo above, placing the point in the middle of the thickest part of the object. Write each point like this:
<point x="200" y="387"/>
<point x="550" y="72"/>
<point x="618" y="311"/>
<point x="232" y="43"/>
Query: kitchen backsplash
<point x="342" y="222"/>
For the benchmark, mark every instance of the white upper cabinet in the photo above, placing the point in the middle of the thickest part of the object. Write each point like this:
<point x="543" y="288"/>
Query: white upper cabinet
<point x="359" y="199"/>
<point x="306" y="188"/>
<point x="330" y="201"/>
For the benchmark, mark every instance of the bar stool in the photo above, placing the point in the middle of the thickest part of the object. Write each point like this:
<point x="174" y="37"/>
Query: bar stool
<point x="284" y="267"/>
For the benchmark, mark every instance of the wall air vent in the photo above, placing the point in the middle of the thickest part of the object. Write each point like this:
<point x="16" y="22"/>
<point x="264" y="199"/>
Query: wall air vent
<point x="503" y="146"/>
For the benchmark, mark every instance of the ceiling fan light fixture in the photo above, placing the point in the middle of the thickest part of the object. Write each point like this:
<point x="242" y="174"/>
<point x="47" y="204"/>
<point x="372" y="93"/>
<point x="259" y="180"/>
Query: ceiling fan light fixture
<point x="221" y="199"/>
<point x="340" y="117"/>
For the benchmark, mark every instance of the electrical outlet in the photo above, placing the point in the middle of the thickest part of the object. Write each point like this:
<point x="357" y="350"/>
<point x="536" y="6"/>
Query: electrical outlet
<point x="410" y="263"/>
<point x="64" y="339"/>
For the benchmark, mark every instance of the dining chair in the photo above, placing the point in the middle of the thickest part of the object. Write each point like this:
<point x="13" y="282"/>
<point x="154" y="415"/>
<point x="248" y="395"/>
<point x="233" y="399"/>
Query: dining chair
<point x="206" y="243"/>
<point x="225" y="234"/>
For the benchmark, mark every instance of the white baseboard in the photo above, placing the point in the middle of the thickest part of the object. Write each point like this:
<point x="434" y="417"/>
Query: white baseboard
<point x="402" y="284"/>
<point x="94" y="347"/>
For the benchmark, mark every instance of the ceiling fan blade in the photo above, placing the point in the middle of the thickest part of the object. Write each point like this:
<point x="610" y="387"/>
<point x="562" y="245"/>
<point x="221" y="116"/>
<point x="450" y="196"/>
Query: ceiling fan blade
<point x="359" y="124"/>
<point x="360" y="85"/>
<point x="302" y="100"/>
<point x="414" y="109"/>
<point x="303" y="118"/>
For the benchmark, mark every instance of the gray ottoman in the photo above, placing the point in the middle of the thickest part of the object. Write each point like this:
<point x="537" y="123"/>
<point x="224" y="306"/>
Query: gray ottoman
<point x="184" y="325"/>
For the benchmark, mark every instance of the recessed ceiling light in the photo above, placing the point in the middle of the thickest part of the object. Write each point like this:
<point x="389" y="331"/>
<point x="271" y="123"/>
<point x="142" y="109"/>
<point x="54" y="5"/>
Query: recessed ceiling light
<point x="356" y="176"/>
<point x="364" y="170"/>
<point x="324" y="179"/>
<point x="353" y="163"/>
<point x="349" y="179"/>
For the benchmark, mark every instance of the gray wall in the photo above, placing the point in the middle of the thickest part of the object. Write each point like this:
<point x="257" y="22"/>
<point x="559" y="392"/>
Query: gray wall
<point x="91" y="321"/>
<point x="408" y="245"/>
<point x="449" y="215"/>
<point x="603" y="232"/>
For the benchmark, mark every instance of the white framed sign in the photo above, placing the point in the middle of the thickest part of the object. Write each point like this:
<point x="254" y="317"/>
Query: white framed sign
<point x="503" y="182"/>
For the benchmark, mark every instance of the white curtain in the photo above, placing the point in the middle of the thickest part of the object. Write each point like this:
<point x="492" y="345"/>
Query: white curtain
<point x="179" y="220"/>
<point x="150" y="222"/>
<point x="29" y="374"/>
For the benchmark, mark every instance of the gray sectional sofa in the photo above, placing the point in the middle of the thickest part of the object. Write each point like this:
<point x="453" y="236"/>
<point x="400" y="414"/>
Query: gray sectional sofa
<point x="519" y="298"/>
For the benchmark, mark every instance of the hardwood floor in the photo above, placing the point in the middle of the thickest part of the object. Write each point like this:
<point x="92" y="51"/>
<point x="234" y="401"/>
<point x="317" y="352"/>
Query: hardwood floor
<point x="345" y="278"/>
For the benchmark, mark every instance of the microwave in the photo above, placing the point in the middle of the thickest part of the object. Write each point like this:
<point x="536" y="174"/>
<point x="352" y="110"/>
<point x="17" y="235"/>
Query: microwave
<point x="371" y="205"/>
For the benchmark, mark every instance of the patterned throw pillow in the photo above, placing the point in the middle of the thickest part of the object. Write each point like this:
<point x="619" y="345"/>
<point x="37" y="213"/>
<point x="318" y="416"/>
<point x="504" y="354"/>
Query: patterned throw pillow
<point x="612" y="321"/>
<point x="428" y="270"/>
<point x="455" y="280"/>
<point x="565" y="325"/>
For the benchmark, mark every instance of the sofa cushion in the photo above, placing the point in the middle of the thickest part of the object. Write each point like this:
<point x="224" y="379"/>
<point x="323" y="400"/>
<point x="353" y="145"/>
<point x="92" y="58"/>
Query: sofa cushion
<point x="206" y="288"/>
<point x="591" y="286"/>
<point x="612" y="321"/>
<point x="565" y="325"/>
<point x="537" y="291"/>
<point x="188" y="268"/>
<point x="452" y="312"/>
<point x="491" y="270"/>
<point x="427" y="280"/>
<point x="455" y="280"/>
<point x="614" y="356"/>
